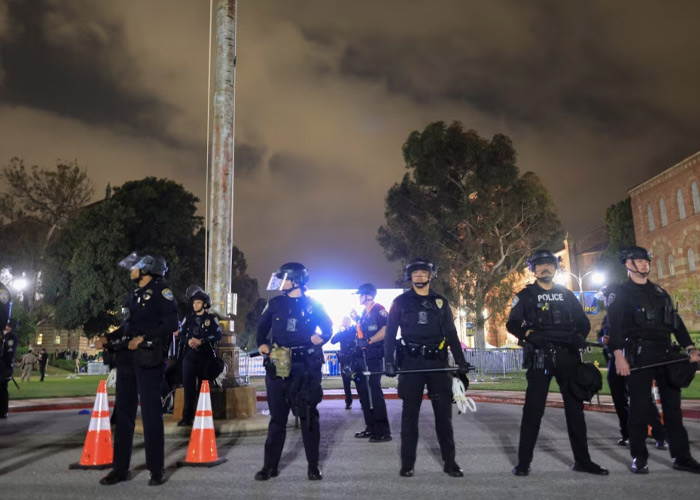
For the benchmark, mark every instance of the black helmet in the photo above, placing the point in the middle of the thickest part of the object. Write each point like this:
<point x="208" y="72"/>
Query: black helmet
<point x="634" y="253"/>
<point x="148" y="264"/>
<point x="419" y="264"/>
<point x="194" y="292"/>
<point x="367" y="289"/>
<point x="293" y="271"/>
<point x="541" y="257"/>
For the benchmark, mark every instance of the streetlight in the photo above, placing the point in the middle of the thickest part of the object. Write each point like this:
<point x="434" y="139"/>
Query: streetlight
<point x="597" y="277"/>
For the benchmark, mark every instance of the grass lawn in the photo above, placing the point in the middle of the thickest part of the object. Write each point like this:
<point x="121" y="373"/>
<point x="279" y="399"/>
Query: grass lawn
<point x="57" y="385"/>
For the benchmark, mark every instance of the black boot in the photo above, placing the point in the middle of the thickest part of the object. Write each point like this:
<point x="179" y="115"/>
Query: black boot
<point x="156" y="479"/>
<point x="590" y="468"/>
<point x="687" y="464"/>
<point x="406" y="472"/>
<point x="521" y="469"/>
<point x="314" y="472"/>
<point x="115" y="477"/>
<point x="453" y="470"/>
<point x="266" y="473"/>
<point x="639" y="466"/>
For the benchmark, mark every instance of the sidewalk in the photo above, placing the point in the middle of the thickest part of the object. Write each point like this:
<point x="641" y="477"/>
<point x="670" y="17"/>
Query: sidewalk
<point x="690" y="407"/>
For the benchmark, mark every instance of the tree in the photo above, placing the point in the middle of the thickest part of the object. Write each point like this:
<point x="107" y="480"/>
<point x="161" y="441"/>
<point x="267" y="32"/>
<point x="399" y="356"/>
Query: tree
<point x="247" y="290"/>
<point x="37" y="203"/>
<point x="620" y="226"/>
<point x="464" y="205"/>
<point x="153" y="215"/>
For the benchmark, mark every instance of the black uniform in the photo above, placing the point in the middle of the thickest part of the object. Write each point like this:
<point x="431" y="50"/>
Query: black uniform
<point x="427" y="329"/>
<point x="43" y="359"/>
<point x="152" y="313"/>
<point x="620" y="396"/>
<point x="376" y="419"/>
<point x="7" y="365"/>
<point x="291" y="322"/>
<point x="204" y="327"/>
<point x="556" y="317"/>
<point x="346" y="337"/>
<point x="641" y="320"/>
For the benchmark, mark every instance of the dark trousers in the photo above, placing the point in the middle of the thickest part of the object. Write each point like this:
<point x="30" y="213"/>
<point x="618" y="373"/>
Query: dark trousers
<point x="410" y="391"/>
<point x="346" y="377"/>
<point x="538" y="381"/>
<point x="42" y="371"/>
<point x="376" y="419"/>
<point x="133" y="384"/>
<point x="639" y="386"/>
<point x="620" y="397"/>
<point x="280" y="405"/>
<point x="4" y="397"/>
<point x="193" y="367"/>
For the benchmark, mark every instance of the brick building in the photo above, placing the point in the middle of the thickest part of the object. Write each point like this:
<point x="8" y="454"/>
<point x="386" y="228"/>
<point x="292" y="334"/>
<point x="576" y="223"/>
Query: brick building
<point x="666" y="212"/>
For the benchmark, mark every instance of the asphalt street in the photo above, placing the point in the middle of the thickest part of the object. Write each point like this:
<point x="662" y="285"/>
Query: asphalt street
<point x="37" y="447"/>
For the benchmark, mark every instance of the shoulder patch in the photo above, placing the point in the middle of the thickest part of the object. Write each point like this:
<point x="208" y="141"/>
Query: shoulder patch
<point x="4" y="296"/>
<point x="383" y="313"/>
<point x="660" y="290"/>
<point x="216" y="320"/>
<point x="439" y="303"/>
<point x="168" y="294"/>
<point x="516" y="299"/>
<point x="611" y="299"/>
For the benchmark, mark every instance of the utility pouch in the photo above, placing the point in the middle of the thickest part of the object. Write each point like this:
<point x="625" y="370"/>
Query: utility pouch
<point x="528" y="355"/>
<point x="540" y="359"/>
<point x="281" y="357"/>
<point x="633" y="349"/>
<point x="149" y="357"/>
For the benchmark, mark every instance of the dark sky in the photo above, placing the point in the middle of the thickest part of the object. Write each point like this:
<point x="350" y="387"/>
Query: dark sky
<point x="597" y="96"/>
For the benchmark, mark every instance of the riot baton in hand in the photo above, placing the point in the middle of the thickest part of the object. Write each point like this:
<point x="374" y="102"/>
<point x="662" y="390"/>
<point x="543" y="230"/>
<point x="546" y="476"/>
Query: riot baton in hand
<point x="658" y="365"/>
<point x="366" y="371"/>
<point x="15" y="382"/>
<point x="451" y="369"/>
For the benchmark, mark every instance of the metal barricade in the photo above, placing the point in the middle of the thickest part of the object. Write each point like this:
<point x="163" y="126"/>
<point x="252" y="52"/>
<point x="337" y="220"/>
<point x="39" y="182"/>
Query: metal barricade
<point x="495" y="362"/>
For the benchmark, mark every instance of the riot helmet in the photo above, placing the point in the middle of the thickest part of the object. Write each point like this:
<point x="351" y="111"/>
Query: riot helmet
<point x="153" y="265"/>
<point x="366" y="289"/>
<point x="542" y="257"/>
<point x="635" y="253"/>
<point x="419" y="264"/>
<point x="292" y="271"/>
<point x="195" y="292"/>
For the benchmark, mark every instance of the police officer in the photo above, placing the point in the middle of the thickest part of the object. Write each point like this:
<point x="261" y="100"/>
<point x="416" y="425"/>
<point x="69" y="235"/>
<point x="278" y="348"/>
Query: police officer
<point x="346" y="337"/>
<point x="642" y="318"/>
<point x="369" y="356"/>
<point x="287" y="333"/>
<point x="427" y="329"/>
<point x="620" y="396"/>
<point x="553" y="325"/>
<point x="149" y="319"/>
<point x="199" y="333"/>
<point x="7" y="363"/>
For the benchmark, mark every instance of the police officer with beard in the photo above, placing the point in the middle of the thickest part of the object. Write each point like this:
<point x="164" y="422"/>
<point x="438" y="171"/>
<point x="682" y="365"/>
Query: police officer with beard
<point x="553" y="325"/>
<point x="287" y="334"/>
<point x="620" y="396"/>
<point x="199" y="332"/>
<point x="369" y="354"/>
<point x="642" y="318"/>
<point x="346" y="337"/>
<point x="149" y="318"/>
<point x="427" y="329"/>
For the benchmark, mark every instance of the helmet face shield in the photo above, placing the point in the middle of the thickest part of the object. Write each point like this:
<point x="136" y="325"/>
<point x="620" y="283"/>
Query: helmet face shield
<point x="130" y="260"/>
<point x="277" y="281"/>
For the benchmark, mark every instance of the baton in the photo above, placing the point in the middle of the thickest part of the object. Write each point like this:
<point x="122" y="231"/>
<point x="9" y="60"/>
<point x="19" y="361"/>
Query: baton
<point x="367" y="373"/>
<point x="451" y="369"/>
<point x="595" y="344"/>
<point x="657" y="365"/>
<point x="15" y="382"/>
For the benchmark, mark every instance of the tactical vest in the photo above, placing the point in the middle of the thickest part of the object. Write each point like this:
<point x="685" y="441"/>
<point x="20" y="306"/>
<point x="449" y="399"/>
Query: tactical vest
<point x="655" y="313"/>
<point x="546" y="315"/>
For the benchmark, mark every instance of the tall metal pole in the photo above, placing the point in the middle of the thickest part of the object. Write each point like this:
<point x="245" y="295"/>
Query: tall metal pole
<point x="220" y="231"/>
<point x="220" y="223"/>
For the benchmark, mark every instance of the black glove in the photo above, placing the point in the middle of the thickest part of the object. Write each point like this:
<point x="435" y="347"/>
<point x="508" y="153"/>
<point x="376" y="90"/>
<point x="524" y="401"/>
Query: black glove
<point x="270" y="367"/>
<point x="578" y="342"/>
<point x="463" y="368"/>
<point x="390" y="370"/>
<point x="536" y="339"/>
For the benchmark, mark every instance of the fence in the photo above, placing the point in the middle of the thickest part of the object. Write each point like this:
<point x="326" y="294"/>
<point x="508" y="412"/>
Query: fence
<point x="487" y="362"/>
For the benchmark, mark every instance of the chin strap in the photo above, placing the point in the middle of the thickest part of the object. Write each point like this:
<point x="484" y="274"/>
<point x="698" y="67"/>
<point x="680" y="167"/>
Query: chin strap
<point x="637" y="271"/>
<point x="420" y="284"/>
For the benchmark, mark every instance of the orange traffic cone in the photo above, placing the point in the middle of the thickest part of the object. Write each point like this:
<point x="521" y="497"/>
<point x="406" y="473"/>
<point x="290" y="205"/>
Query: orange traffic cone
<point x="97" y="451"/>
<point x="202" y="450"/>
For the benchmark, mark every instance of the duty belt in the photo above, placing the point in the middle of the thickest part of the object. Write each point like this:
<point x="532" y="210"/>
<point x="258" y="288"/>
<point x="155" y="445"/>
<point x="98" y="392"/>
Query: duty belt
<point x="428" y="351"/>
<point x="300" y="353"/>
